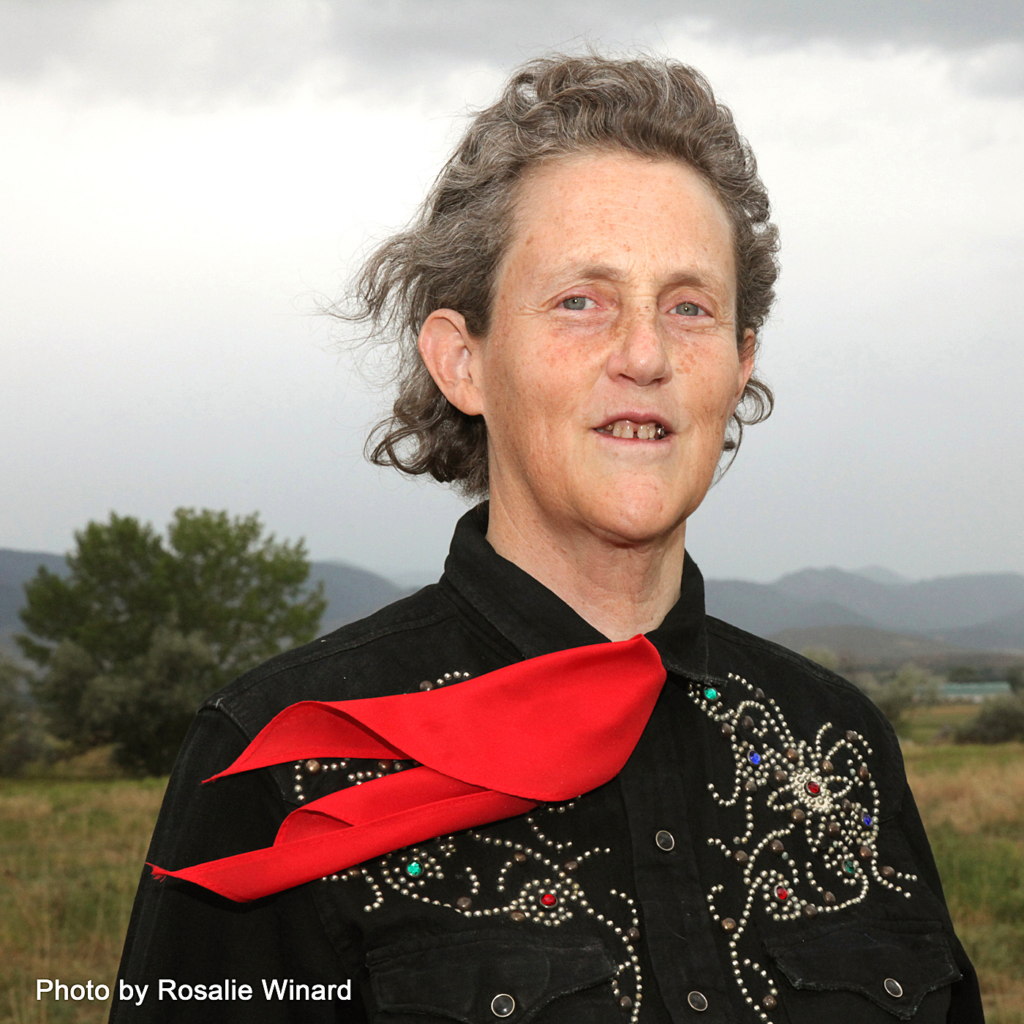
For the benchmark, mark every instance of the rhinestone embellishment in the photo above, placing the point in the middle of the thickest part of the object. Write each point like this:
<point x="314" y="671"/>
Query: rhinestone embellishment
<point x="808" y="823"/>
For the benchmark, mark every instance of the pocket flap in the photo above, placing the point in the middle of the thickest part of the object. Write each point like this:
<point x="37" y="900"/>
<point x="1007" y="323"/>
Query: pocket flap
<point x="459" y="977"/>
<point x="895" y="964"/>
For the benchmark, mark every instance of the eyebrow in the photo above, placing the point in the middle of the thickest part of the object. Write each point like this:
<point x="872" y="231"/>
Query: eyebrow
<point x="606" y="272"/>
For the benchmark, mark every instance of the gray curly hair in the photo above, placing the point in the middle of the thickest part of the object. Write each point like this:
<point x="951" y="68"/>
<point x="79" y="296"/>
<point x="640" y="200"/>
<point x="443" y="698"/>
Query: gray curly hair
<point x="449" y="256"/>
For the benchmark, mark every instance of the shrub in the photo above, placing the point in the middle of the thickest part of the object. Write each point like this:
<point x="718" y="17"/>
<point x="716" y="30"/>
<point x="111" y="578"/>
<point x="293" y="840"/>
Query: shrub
<point x="1015" y="677"/>
<point x="22" y="738"/>
<point x="999" y="721"/>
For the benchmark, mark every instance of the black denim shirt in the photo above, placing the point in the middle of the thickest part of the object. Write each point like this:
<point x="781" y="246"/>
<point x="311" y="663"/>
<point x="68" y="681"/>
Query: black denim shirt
<point x="759" y="858"/>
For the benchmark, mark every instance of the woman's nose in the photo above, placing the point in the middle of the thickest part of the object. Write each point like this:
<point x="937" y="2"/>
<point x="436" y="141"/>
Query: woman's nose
<point x="640" y="354"/>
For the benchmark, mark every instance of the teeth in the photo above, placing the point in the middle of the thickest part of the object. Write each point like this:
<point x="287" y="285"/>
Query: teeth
<point x="641" y="431"/>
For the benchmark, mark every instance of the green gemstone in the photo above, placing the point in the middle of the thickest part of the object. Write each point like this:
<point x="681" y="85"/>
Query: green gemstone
<point x="711" y="693"/>
<point x="850" y="866"/>
<point x="414" y="868"/>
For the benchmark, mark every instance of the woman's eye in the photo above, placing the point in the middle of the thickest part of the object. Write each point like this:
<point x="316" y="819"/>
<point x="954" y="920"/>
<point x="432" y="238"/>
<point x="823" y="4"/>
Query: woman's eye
<point x="689" y="309"/>
<point x="576" y="302"/>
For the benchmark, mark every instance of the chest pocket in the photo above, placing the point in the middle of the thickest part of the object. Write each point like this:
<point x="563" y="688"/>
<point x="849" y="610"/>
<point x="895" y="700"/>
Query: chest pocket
<point x="878" y="969"/>
<point x="486" y="977"/>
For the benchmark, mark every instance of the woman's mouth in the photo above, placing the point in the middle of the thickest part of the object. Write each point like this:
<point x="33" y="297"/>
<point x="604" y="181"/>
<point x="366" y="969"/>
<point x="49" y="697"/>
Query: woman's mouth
<point x="652" y="430"/>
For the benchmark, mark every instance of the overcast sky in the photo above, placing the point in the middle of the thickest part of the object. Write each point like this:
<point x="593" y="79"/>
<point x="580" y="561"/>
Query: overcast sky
<point x="182" y="183"/>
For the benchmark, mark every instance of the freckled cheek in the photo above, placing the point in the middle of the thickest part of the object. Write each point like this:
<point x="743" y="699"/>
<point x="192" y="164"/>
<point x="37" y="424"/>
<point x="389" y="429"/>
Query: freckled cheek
<point x="540" y="381"/>
<point x="521" y="412"/>
<point x="710" y="389"/>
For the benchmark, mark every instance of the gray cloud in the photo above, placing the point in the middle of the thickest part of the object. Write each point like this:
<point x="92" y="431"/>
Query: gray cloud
<point x="496" y="31"/>
<point x="190" y="52"/>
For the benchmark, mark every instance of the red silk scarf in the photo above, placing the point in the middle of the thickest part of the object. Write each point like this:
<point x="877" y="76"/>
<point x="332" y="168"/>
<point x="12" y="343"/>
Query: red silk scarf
<point x="545" y="729"/>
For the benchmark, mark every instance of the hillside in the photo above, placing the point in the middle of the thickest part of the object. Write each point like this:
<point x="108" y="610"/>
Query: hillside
<point x="763" y="609"/>
<point x="976" y="612"/>
<point x="947" y="602"/>
<point x="868" y="648"/>
<point x="1003" y="633"/>
<point x="872" y="617"/>
<point x="352" y="593"/>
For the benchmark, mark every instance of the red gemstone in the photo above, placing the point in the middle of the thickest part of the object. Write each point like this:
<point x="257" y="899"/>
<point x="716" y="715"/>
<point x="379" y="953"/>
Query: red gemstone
<point x="782" y="893"/>
<point x="549" y="899"/>
<point x="813" y="788"/>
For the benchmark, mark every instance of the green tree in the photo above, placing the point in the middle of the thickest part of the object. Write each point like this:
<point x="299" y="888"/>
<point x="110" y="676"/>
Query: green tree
<point x="21" y="735"/>
<point x="117" y="593"/>
<point x="142" y="628"/>
<point x="1015" y="677"/>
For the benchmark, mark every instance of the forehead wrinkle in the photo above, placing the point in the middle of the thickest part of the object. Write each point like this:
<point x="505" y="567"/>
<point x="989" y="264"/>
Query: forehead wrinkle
<point x="542" y="195"/>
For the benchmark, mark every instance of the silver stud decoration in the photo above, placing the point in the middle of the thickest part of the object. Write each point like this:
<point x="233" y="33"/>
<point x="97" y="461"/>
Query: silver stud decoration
<point x="307" y="770"/>
<point x="537" y="885"/>
<point x="819" y="792"/>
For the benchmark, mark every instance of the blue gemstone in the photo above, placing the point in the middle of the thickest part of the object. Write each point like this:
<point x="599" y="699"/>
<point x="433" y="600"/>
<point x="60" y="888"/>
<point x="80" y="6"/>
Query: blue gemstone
<point x="755" y="757"/>
<point x="414" y="868"/>
<point x="867" y="819"/>
<point x="711" y="693"/>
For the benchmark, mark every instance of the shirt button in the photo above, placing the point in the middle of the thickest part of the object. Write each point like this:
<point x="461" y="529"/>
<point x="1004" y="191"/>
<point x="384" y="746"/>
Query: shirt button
<point x="665" y="840"/>
<point x="697" y="1001"/>
<point x="502" y="1005"/>
<point x="893" y="988"/>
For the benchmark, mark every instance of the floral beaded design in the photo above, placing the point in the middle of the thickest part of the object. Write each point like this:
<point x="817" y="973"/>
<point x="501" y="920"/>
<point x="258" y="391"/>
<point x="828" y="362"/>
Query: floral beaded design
<point x="807" y="840"/>
<point x="533" y="883"/>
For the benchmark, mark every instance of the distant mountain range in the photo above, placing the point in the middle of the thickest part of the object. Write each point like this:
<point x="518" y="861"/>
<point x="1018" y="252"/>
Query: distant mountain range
<point x="353" y="593"/>
<point x="871" y="617"/>
<point x="982" y="611"/>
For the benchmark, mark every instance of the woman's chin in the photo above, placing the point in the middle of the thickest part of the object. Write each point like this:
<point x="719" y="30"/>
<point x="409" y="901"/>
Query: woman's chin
<point x="635" y="521"/>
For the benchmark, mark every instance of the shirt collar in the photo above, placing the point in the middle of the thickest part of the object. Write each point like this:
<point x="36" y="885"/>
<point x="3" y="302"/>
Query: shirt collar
<point x="536" y="621"/>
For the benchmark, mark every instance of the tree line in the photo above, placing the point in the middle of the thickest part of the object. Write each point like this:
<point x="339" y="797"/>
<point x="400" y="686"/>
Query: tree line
<point x="145" y="626"/>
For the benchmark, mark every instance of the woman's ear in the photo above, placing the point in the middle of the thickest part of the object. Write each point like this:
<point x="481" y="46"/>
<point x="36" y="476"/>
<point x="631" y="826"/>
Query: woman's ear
<point x="748" y="347"/>
<point x="452" y="357"/>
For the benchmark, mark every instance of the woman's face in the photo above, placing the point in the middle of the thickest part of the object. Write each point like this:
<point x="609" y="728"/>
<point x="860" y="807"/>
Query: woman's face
<point x="611" y="366"/>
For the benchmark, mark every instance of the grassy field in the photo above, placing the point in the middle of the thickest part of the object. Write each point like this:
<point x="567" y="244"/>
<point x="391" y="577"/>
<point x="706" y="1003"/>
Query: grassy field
<point x="972" y="802"/>
<point x="70" y="856"/>
<point x="70" y="853"/>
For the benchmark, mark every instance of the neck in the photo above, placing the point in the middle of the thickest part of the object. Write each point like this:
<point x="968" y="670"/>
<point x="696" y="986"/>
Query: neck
<point x="620" y="588"/>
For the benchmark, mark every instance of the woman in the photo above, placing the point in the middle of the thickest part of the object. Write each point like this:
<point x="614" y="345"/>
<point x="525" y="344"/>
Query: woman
<point x="535" y="824"/>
